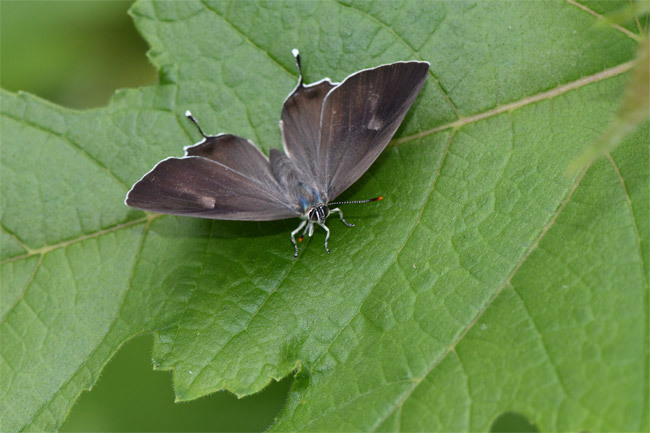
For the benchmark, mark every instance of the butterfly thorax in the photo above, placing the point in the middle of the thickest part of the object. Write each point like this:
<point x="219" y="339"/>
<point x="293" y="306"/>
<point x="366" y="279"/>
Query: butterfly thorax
<point x="297" y="186"/>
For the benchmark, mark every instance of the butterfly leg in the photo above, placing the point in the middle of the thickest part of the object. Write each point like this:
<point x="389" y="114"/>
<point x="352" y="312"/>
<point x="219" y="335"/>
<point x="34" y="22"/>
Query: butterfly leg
<point x="293" y="237"/>
<point x="304" y="232"/>
<point x="341" y="215"/>
<point x="327" y="236"/>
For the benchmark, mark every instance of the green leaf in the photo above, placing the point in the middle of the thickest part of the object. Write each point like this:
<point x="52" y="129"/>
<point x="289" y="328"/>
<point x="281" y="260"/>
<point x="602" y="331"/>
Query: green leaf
<point x="486" y="282"/>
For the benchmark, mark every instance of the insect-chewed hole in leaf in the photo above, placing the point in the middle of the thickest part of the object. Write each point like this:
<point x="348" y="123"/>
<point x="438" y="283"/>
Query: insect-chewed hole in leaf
<point x="513" y="422"/>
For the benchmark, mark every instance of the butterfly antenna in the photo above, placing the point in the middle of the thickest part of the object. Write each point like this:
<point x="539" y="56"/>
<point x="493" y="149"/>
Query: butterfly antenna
<point x="355" y="201"/>
<point x="188" y="114"/>
<point x="296" y="54"/>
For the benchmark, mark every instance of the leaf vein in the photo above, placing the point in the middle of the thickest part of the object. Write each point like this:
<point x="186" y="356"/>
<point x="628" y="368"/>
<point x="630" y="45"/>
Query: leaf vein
<point x="47" y="248"/>
<point x="72" y="144"/>
<point x="24" y="290"/>
<point x="556" y="371"/>
<point x="468" y="427"/>
<point x="15" y="237"/>
<point x="352" y="400"/>
<point x="549" y="94"/>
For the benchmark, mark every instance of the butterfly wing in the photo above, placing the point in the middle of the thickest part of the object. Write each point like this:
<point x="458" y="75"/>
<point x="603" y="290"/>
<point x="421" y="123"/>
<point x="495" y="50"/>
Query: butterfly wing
<point x="359" y="117"/>
<point x="300" y="123"/>
<point x="222" y="177"/>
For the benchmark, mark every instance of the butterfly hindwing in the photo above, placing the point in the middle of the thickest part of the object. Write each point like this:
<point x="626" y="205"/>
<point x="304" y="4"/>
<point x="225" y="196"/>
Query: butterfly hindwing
<point x="222" y="177"/>
<point x="301" y="114"/>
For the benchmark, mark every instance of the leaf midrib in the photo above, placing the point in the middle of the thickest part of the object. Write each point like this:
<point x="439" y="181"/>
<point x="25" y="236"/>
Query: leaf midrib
<point x="512" y="106"/>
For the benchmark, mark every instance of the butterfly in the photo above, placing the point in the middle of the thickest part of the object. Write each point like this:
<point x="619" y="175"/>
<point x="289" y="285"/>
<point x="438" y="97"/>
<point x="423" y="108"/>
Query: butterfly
<point x="331" y="133"/>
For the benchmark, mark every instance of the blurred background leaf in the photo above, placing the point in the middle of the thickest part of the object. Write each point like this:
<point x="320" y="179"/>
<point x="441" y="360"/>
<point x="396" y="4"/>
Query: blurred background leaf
<point x="74" y="53"/>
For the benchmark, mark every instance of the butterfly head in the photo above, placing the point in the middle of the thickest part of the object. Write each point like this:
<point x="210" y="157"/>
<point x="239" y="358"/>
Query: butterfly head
<point x="318" y="213"/>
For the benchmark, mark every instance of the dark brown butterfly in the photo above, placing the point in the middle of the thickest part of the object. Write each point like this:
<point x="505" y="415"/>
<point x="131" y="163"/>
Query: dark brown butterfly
<point x="331" y="133"/>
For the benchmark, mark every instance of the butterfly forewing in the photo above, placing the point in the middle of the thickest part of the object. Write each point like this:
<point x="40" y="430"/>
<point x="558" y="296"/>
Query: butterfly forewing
<point x="359" y="117"/>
